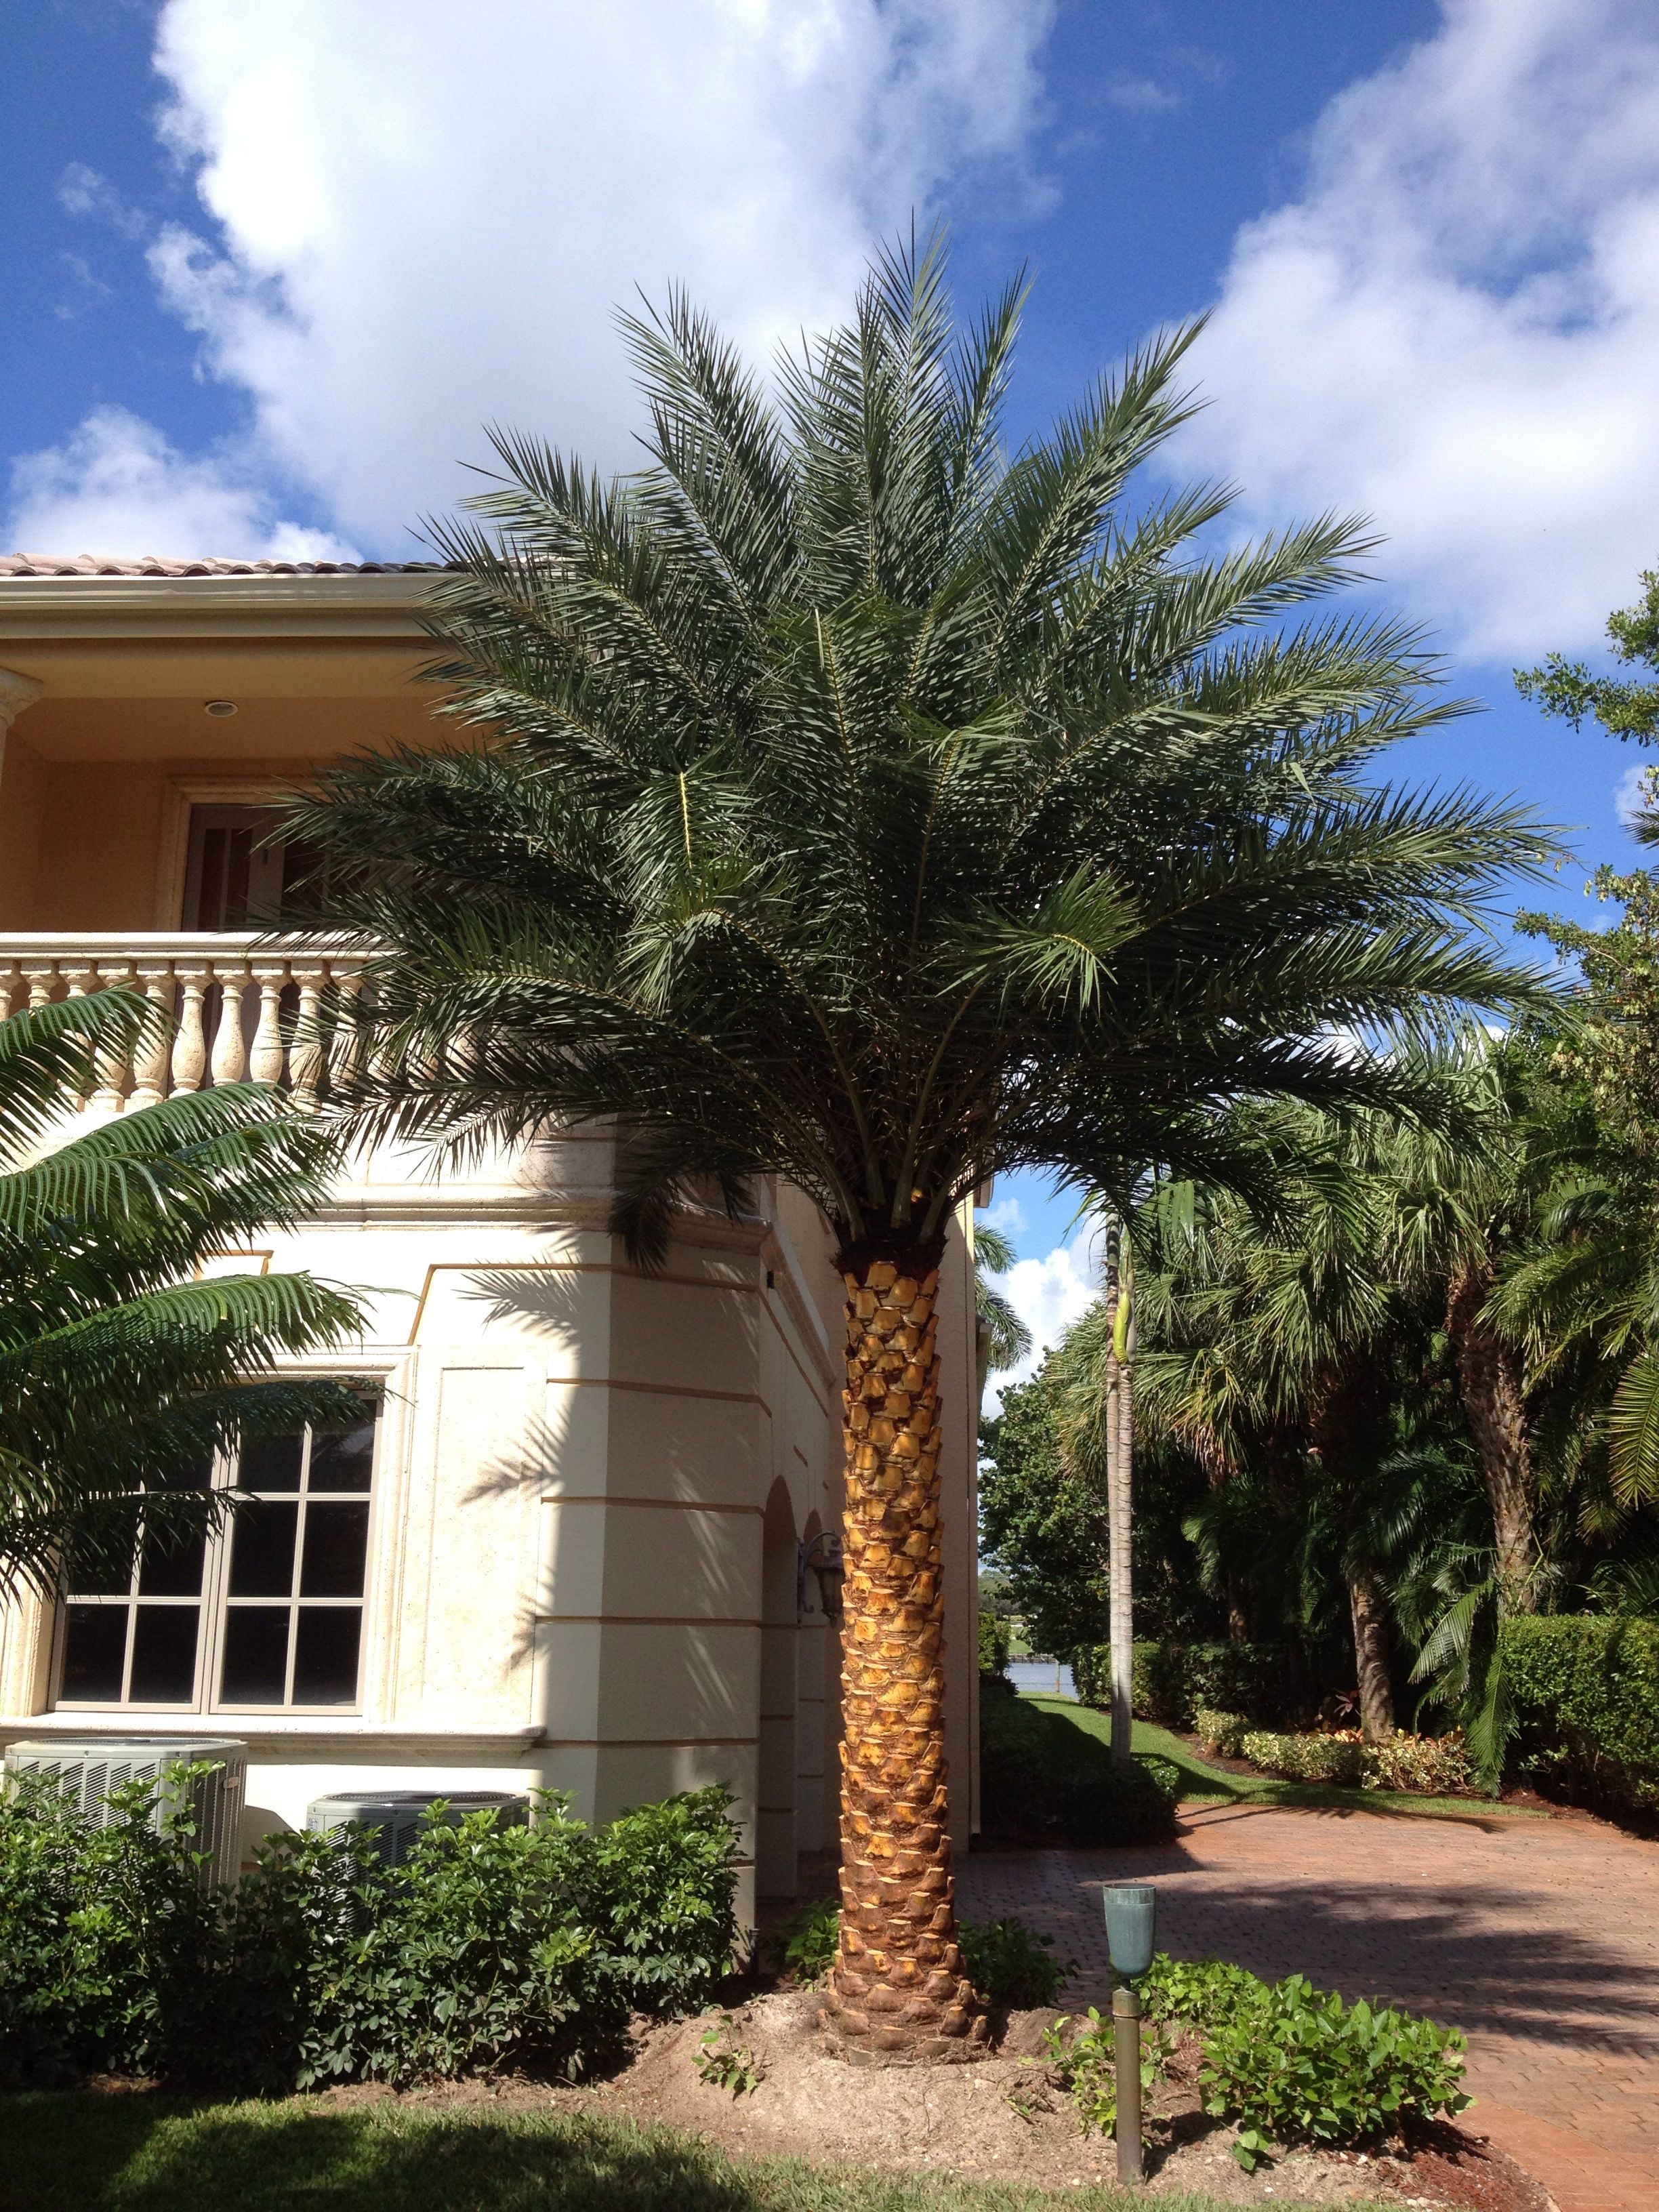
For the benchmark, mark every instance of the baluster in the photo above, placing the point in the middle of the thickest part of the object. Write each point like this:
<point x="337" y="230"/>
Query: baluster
<point x="150" y="1070"/>
<point x="347" y="1039"/>
<point x="13" y="986"/>
<point x="112" y="1063"/>
<point x="305" y="1059"/>
<point x="229" y="1053"/>
<point x="77" y="974"/>
<point x="190" y="1050"/>
<point x="266" y="1059"/>
<point x="41" y="975"/>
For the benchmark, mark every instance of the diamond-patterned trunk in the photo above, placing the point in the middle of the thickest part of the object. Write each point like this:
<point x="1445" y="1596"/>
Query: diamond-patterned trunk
<point x="898" y="1990"/>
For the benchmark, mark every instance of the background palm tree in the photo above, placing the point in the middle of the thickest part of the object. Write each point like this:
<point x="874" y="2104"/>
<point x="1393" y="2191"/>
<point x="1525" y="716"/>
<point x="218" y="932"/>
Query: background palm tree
<point x="120" y="1375"/>
<point x="1002" y="1338"/>
<point x="849" y="801"/>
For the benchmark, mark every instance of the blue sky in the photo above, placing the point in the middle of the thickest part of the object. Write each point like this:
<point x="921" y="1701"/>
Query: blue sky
<point x="268" y="269"/>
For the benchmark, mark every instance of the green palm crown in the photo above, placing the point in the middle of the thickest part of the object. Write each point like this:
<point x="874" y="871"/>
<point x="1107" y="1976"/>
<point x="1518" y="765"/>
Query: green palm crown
<point x="851" y="802"/>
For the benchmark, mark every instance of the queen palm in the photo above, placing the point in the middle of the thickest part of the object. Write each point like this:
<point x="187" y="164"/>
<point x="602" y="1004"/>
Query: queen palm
<point x="844" y="800"/>
<point x="120" y="1373"/>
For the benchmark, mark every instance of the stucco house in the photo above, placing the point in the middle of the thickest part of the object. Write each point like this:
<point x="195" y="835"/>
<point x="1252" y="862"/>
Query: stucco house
<point x="588" y="1544"/>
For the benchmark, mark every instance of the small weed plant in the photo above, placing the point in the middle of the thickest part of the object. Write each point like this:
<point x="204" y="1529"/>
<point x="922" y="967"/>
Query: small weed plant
<point x="722" y="2063"/>
<point x="1082" y="2061"/>
<point x="805" y="1945"/>
<point x="1009" y="1967"/>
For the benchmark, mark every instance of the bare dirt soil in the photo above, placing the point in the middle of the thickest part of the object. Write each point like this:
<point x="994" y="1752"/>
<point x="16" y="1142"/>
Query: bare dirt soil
<point x="1001" y="2119"/>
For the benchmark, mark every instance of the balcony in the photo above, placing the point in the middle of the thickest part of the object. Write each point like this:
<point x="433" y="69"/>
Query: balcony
<point x="240" y="1008"/>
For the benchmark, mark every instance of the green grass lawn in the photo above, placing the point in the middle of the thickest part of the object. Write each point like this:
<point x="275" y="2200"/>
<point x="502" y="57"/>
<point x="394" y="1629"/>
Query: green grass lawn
<point x="1202" y="1784"/>
<point x="71" y="2152"/>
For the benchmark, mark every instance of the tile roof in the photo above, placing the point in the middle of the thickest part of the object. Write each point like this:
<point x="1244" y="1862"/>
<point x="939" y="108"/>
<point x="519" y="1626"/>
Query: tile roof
<point x="147" y="564"/>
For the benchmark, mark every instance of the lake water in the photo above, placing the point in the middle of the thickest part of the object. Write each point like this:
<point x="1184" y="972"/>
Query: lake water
<point x="1042" y="1675"/>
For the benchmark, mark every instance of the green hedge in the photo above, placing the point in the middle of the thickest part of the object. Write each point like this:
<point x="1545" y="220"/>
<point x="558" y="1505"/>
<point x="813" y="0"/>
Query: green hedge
<point x="488" y="1946"/>
<point x="1174" y="1681"/>
<point x="1042" y="1778"/>
<point x="995" y="1642"/>
<point x="1586" y="1697"/>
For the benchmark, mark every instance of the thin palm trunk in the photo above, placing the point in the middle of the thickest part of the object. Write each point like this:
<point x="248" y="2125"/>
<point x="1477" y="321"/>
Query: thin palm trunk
<point x="1339" y="1419"/>
<point x="1369" y="1618"/>
<point x="1494" y="1402"/>
<point x="1119" y="1510"/>
<point x="898" y="1989"/>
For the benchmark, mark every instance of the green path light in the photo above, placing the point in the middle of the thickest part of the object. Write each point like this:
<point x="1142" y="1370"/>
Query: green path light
<point x="1131" y="1934"/>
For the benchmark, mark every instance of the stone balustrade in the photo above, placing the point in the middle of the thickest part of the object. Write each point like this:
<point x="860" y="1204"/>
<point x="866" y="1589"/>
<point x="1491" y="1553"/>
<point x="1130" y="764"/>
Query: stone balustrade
<point x="240" y="1008"/>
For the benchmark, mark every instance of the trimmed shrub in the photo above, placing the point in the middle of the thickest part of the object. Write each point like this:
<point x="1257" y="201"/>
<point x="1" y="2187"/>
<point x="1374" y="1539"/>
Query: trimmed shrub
<point x="1586" y="1697"/>
<point x="1220" y="1732"/>
<point x="1339" y="1759"/>
<point x="1172" y="1681"/>
<point x="1040" y="1775"/>
<point x="995" y="1643"/>
<point x="488" y="1945"/>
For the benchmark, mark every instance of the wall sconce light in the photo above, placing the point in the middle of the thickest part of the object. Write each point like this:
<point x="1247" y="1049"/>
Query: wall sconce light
<point x="820" y="1556"/>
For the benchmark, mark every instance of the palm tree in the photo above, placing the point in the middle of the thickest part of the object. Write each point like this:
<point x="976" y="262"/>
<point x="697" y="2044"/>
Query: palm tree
<point x="842" y="799"/>
<point x="1001" y="1338"/>
<point x="1094" y="1367"/>
<point x="119" y="1374"/>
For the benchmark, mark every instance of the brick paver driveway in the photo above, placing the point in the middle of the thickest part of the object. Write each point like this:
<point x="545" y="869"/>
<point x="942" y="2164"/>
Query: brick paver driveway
<point x="1539" y="1938"/>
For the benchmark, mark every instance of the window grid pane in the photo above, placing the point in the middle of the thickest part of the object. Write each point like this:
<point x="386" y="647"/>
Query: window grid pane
<point x="290" y="1568"/>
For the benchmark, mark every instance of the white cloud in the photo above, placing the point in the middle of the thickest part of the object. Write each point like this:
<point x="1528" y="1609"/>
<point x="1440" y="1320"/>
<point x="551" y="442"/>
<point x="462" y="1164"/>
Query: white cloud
<point x="421" y="231"/>
<point x="1048" y="1295"/>
<point x="81" y="190"/>
<point x="1455" y="327"/>
<point x="1632" y="795"/>
<point x="1007" y="1214"/>
<point x="115" y="486"/>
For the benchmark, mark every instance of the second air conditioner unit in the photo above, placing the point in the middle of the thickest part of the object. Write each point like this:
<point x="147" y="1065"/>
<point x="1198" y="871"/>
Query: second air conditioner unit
<point x="395" y="1815"/>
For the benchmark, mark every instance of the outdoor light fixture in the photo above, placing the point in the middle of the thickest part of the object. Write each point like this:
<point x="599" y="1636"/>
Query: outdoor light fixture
<point x="820" y="1556"/>
<point x="1131" y="1932"/>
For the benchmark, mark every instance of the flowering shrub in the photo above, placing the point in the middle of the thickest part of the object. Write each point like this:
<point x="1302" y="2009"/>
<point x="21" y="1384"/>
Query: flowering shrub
<point x="1221" y="1732"/>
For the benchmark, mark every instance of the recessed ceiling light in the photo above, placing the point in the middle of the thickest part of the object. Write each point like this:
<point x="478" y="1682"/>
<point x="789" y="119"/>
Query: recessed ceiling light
<point x="220" y="706"/>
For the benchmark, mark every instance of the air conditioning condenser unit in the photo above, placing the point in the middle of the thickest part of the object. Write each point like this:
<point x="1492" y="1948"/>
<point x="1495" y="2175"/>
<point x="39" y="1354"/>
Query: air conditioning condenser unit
<point x="395" y="1815"/>
<point x="88" y="1769"/>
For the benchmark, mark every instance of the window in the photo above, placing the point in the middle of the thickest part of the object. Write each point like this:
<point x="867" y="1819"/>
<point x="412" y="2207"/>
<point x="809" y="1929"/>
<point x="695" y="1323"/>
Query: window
<point x="268" y="1612"/>
<point x="234" y="878"/>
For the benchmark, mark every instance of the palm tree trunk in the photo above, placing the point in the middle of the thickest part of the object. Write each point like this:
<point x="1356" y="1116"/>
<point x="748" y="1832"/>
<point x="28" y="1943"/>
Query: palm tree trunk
<point x="897" y="1991"/>
<point x="1120" y="1512"/>
<point x="1370" y="1650"/>
<point x="1494" y="1403"/>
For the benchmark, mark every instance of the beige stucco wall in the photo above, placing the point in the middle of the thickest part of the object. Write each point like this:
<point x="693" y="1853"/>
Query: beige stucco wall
<point x="591" y="1486"/>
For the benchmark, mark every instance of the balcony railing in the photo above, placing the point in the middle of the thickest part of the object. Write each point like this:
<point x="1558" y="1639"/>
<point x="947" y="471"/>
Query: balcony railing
<point x="239" y="1007"/>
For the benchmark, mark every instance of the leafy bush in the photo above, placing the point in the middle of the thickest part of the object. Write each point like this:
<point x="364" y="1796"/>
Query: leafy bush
<point x="1585" y="1693"/>
<point x="1289" y="2063"/>
<point x="996" y="1641"/>
<point x="1192" y="1995"/>
<point x="1220" y="1732"/>
<point x="1295" y="2065"/>
<point x="1040" y="1774"/>
<point x="806" y="1945"/>
<point x="1012" y="1967"/>
<point x="488" y="1943"/>
<point x="1338" y="1759"/>
<point x="1433" y="1766"/>
<point x="1083" y="2062"/>
<point x="1430" y="1766"/>
<point x="1172" y="1681"/>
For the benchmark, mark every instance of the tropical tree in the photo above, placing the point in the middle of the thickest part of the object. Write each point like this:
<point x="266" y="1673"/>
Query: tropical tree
<point x="1001" y="1338"/>
<point x="844" y="800"/>
<point x="120" y="1373"/>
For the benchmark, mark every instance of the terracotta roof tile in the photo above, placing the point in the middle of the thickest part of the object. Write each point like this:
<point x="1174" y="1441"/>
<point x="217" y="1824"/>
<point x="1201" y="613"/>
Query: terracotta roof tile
<point x="93" y="564"/>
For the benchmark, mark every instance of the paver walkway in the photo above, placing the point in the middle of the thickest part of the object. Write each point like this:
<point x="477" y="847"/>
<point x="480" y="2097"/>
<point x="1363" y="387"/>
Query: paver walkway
<point x="1539" y="1938"/>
